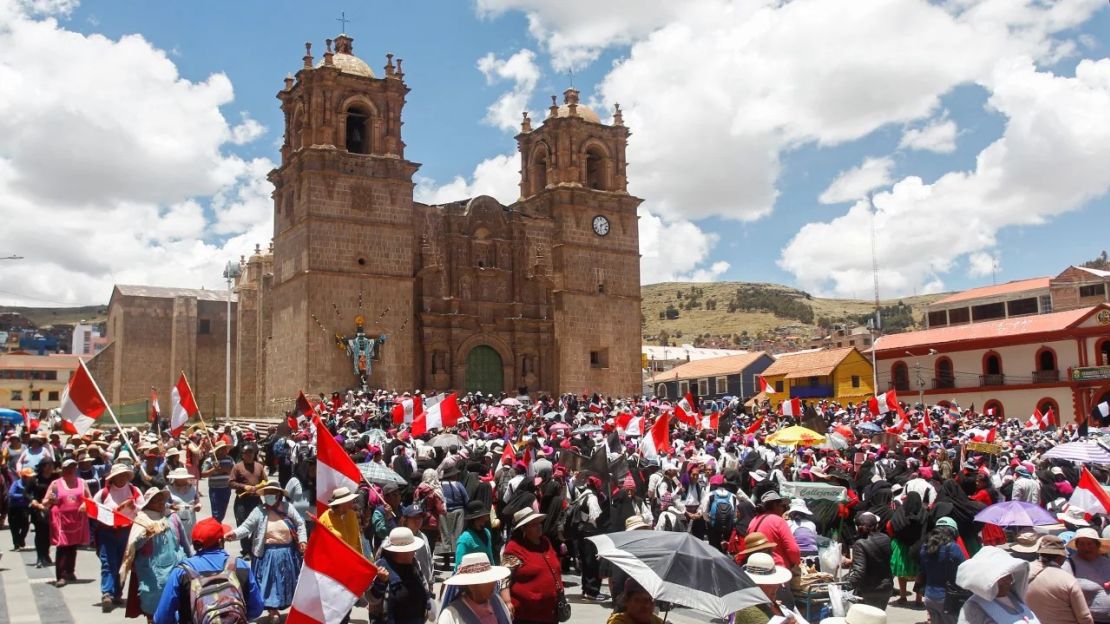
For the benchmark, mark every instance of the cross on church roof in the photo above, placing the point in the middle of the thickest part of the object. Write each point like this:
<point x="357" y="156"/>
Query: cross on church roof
<point x="342" y="19"/>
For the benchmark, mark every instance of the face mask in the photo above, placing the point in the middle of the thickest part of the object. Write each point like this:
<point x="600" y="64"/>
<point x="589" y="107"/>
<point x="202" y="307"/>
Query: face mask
<point x="270" y="499"/>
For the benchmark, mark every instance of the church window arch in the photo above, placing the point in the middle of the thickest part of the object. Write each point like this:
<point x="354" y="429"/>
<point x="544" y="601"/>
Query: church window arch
<point x="538" y="168"/>
<point x="296" y="129"/>
<point x="359" y="127"/>
<point x="597" y="166"/>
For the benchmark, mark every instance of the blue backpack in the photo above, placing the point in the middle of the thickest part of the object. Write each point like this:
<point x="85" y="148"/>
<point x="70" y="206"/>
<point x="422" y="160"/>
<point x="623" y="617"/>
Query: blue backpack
<point x="722" y="515"/>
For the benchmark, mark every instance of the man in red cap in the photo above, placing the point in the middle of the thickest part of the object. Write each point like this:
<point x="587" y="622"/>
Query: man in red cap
<point x="176" y="604"/>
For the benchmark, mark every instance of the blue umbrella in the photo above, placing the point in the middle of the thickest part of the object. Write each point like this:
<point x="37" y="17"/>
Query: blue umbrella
<point x="10" y="416"/>
<point x="869" y="426"/>
<point x="1015" y="513"/>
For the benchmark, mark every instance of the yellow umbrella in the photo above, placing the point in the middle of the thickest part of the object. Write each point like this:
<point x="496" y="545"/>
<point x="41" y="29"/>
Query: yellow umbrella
<point x="795" y="436"/>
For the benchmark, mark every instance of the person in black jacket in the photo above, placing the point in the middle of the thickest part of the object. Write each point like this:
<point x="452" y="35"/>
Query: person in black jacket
<point x="870" y="574"/>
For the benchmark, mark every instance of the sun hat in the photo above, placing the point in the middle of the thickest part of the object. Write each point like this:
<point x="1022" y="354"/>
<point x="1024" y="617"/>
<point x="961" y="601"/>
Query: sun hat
<point x="526" y="516"/>
<point x="475" y="509"/>
<point x="150" y="494"/>
<point x="179" y="473"/>
<point x="120" y="469"/>
<point x="1025" y="542"/>
<point x="762" y="569"/>
<point x="1051" y="545"/>
<point x="859" y="614"/>
<point x="1074" y="516"/>
<point x="769" y="496"/>
<point x="69" y="461"/>
<point x="633" y="523"/>
<point x="1089" y="533"/>
<point x="799" y="505"/>
<point x="475" y="569"/>
<point x="340" y="495"/>
<point x="402" y="540"/>
<point x="267" y="487"/>
<point x="755" y="542"/>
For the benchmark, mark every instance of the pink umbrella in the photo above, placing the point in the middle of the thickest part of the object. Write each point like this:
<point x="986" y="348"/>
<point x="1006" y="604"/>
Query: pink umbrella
<point x="496" y="411"/>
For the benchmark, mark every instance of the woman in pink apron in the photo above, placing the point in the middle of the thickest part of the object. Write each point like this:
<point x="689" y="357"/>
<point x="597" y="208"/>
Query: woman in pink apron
<point x="69" y="522"/>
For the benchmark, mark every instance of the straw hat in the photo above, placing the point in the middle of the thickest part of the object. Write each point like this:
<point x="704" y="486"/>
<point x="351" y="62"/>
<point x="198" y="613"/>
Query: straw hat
<point x="402" y="540"/>
<point x="179" y="473"/>
<point x="340" y="495"/>
<point x="475" y="569"/>
<point x="859" y="614"/>
<point x="149" y="496"/>
<point x="526" y="516"/>
<point x="1089" y="533"/>
<point x="633" y="523"/>
<point x="1075" y="516"/>
<point x="755" y="542"/>
<point x="121" y="469"/>
<point x="270" y="488"/>
<point x="762" y="569"/>
<point x="1025" y="542"/>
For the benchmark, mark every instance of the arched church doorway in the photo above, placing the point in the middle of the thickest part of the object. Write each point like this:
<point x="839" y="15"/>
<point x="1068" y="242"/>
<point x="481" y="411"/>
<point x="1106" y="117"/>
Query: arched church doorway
<point x="484" y="370"/>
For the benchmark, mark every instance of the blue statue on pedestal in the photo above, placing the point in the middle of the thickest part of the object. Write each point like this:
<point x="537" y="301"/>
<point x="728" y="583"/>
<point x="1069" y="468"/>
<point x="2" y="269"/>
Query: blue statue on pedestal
<point x="361" y="350"/>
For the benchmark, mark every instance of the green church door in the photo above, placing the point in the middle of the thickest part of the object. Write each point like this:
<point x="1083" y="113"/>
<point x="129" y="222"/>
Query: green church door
<point x="483" y="370"/>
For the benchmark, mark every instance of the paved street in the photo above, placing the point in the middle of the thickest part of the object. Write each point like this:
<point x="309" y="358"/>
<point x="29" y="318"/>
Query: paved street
<point x="28" y="596"/>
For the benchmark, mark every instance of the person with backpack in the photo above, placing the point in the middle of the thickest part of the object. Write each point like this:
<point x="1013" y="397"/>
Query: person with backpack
<point x="672" y="517"/>
<point x="211" y="587"/>
<point x="718" y="507"/>
<point x="586" y="516"/>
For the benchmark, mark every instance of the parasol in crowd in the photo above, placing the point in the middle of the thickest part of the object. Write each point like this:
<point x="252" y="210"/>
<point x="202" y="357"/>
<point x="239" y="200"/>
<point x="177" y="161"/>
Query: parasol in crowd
<point x="550" y="415"/>
<point x="834" y="441"/>
<point x="376" y="436"/>
<point x="588" y="429"/>
<point x="380" y="474"/>
<point x="1081" y="452"/>
<point x="496" y="411"/>
<point x="511" y="402"/>
<point x="446" y="440"/>
<point x="1015" y="513"/>
<point x="559" y="426"/>
<point x="10" y="417"/>
<point x="869" y="427"/>
<point x="795" y="436"/>
<point x="681" y="569"/>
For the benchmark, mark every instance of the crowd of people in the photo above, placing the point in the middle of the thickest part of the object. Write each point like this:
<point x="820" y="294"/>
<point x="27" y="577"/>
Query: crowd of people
<point x="502" y="505"/>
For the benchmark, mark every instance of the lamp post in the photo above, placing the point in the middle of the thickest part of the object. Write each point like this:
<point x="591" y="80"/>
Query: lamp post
<point x="231" y="273"/>
<point x="920" y="379"/>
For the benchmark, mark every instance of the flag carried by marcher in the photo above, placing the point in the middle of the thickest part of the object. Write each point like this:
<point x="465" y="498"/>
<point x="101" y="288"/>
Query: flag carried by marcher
<point x="155" y="409"/>
<point x="439" y="412"/>
<point x="332" y="578"/>
<point x="407" y="409"/>
<point x="686" y="410"/>
<point x="754" y="426"/>
<point x="791" y="407"/>
<point x="765" y="387"/>
<point x="182" y="405"/>
<point x="105" y="516"/>
<point x="1038" y="420"/>
<point x="1089" y="495"/>
<point x="711" y="421"/>
<point x="334" y="467"/>
<point x="82" y="402"/>
<point x="657" y="442"/>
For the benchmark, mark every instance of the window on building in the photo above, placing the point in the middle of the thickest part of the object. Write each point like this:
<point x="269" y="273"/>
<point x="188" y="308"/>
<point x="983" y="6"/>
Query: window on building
<point x="1093" y="290"/>
<point x="866" y="341"/>
<point x="1046" y="360"/>
<point x="900" y="376"/>
<point x="1102" y="352"/>
<point x="683" y="388"/>
<point x="703" y="387"/>
<point x="988" y="311"/>
<point x="1019" y="307"/>
<point x="596" y="165"/>
<point x="944" y="376"/>
<point x="17" y="395"/>
<point x="358" y="135"/>
<point x="661" y="391"/>
<point x="721" y="385"/>
<point x="959" y="316"/>
<point x="938" y="318"/>
<point x="599" y="358"/>
<point x="855" y="381"/>
<point x="36" y="395"/>
<point x="778" y="387"/>
<point x="204" y="327"/>
<point x="52" y="395"/>
<point x="1046" y="304"/>
<point x="992" y="364"/>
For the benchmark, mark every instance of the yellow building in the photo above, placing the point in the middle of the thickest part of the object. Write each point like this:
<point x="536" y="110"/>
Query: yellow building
<point x="34" y="381"/>
<point x="843" y="375"/>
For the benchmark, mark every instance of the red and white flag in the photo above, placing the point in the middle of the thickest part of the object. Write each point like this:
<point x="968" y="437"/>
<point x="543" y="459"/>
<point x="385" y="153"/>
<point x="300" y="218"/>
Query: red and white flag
<point x="155" y="409"/>
<point x="105" y="516"/>
<point x="711" y="421"/>
<point x="1089" y="495"/>
<point x="686" y="411"/>
<point x="303" y="409"/>
<point x="82" y="402"/>
<point x="765" y="387"/>
<point x="509" y="453"/>
<point x="1050" y="418"/>
<point x="658" y="439"/>
<point x="332" y="578"/>
<point x="791" y="407"/>
<point x="182" y="405"/>
<point x="984" y="435"/>
<point x="1037" y="420"/>
<point x="439" y="412"/>
<point x="334" y="467"/>
<point x="883" y="403"/>
<point x="631" y="425"/>
<point x="406" y="410"/>
<point x="754" y="426"/>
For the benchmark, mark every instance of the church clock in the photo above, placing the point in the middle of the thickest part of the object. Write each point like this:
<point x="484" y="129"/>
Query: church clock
<point x="601" y="225"/>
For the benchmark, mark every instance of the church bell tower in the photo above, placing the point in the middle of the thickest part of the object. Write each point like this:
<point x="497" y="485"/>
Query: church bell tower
<point x="343" y="226"/>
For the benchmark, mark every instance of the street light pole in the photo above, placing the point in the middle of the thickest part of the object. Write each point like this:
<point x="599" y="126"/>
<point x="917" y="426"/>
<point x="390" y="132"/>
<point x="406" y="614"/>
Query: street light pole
<point x="231" y="271"/>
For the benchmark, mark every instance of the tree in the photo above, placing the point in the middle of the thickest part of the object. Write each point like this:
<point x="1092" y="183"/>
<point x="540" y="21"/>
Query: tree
<point x="671" y="312"/>
<point x="1100" y="262"/>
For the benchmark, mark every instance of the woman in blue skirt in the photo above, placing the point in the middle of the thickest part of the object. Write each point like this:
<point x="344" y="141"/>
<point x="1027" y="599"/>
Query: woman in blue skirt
<point x="278" y="539"/>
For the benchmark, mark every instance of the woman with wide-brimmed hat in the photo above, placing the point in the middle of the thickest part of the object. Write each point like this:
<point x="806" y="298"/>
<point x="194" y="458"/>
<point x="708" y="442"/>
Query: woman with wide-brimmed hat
<point x="477" y="599"/>
<point x="69" y="523"/>
<point x="184" y="497"/>
<point x="156" y="544"/>
<point x="401" y="593"/>
<point x="536" y="582"/>
<point x="342" y="519"/>
<point x="476" y="536"/>
<point x="278" y="539"/>
<point x="771" y="578"/>
<point x="120" y="496"/>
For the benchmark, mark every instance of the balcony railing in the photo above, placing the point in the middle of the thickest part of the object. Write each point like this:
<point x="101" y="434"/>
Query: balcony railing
<point x="811" y="392"/>
<point x="942" y="383"/>
<point x="1046" y="376"/>
<point x="992" y="380"/>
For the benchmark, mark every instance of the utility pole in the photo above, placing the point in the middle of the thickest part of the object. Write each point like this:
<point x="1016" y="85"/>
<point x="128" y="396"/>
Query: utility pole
<point x="231" y="272"/>
<point x="877" y="327"/>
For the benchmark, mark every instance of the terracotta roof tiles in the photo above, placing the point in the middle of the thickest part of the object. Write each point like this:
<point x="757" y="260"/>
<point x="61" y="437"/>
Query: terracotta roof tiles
<point x="808" y="363"/>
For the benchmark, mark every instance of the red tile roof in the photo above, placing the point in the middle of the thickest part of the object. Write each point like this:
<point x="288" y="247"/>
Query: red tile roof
<point x="1033" y="324"/>
<point x="995" y="290"/>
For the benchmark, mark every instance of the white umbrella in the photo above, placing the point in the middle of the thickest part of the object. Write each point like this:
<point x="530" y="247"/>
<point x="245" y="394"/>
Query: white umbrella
<point x="511" y="402"/>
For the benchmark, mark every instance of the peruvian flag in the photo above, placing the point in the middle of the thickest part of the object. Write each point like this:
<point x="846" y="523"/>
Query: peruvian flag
<point x="984" y="435"/>
<point x="105" y="516"/>
<point x="82" y="402"/>
<point x="765" y="387"/>
<point x="885" y="402"/>
<point x="440" y="412"/>
<point x="334" y="467"/>
<point x="1050" y="418"/>
<point x="791" y="407"/>
<point x="303" y="410"/>
<point x="711" y="421"/>
<point x="685" y="410"/>
<point x="631" y="425"/>
<point x="509" y="453"/>
<point x="182" y="405"/>
<point x="155" y="409"/>
<point x="1089" y="495"/>
<point x="658" y="439"/>
<point x="332" y="578"/>
<point x="754" y="427"/>
<point x="1038" y="420"/>
<point x="406" y="410"/>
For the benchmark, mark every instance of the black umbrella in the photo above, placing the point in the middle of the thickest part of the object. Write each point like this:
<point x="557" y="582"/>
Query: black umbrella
<point x="681" y="569"/>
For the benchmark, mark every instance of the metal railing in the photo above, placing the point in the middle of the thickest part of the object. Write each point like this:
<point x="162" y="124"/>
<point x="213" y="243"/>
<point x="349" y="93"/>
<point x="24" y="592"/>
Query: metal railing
<point x="1046" y="376"/>
<point x="942" y="383"/>
<point x="992" y="380"/>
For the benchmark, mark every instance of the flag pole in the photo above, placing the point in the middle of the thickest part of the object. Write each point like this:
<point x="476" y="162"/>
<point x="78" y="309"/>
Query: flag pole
<point x="108" y="406"/>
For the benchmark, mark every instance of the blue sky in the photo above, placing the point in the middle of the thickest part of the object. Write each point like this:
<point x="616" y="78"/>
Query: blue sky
<point x="745" y="117"/>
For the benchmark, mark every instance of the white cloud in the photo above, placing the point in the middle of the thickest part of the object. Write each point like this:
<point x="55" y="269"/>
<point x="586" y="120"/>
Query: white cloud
<point x="498" y="177"/>
<point x="981" y="264"/>
<point x="247" y="131"/>
<point x="118" y="172"/>
<point x="1050" y="160"/>
<point x="522" y="71"/>
<point x="938" y="136"/>
<point x="857" y="182"/>
<point x="658" y="262"/>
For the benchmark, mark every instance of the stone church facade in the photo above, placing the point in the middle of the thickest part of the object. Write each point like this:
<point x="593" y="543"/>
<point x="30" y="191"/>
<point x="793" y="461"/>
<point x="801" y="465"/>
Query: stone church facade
<point x="542" y="294"/>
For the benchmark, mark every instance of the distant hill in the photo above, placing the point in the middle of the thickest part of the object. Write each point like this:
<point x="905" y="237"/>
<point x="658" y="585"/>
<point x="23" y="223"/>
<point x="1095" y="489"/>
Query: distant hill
<point x="738" y="314"/>
<point x="44" y="317"/>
